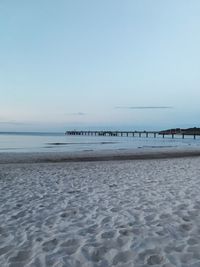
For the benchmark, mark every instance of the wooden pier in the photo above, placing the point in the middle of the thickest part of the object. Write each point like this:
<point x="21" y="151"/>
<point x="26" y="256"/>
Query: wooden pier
<point x="132" y="133"/>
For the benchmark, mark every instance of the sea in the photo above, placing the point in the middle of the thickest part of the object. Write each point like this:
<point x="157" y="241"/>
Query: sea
<point x="59" y="142"/>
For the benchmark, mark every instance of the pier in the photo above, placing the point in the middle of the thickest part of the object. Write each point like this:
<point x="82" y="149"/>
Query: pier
<point x="133" y="133"/>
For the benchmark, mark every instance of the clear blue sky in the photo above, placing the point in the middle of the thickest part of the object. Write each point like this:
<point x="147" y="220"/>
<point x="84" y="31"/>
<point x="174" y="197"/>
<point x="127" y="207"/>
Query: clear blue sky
<point x="84" y="64"/>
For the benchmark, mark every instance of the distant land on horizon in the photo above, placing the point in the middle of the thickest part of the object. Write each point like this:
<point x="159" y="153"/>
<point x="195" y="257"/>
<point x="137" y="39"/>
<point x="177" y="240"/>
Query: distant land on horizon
<point x="194" y="130"/>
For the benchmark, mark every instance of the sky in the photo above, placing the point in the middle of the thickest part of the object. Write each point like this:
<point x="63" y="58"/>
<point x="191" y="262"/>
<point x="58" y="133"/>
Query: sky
<point x="109" y="64"/>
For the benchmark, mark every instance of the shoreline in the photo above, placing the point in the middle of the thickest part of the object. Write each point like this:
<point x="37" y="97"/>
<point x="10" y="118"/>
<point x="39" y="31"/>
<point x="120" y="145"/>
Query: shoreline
<point x="103" y="155"/>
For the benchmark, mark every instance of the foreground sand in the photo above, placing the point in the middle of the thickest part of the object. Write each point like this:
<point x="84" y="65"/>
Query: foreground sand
<point x="116" y="213"/>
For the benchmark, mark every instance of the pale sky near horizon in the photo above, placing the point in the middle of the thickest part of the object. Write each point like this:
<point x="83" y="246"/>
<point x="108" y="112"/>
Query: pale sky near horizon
<point x="99" y="64"/>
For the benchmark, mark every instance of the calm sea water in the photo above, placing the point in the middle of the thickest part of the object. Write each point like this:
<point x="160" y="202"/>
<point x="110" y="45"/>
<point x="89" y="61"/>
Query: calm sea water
<point x="47" y="142"/>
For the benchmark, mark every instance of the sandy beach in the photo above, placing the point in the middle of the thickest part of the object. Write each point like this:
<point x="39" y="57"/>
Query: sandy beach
<point x="99" y="133"/>
<point x="100" y="213"/>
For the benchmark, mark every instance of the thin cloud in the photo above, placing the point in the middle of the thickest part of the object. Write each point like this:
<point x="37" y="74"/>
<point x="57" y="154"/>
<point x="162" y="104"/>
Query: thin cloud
<point x="76" y="114"/>
<point x="12" y="123"/>
<point x="145" y="107"/>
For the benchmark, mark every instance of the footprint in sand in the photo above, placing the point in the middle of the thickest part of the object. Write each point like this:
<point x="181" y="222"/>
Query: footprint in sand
<point x="109" y="234"/>
<point x="21" y="257"/>
<point x="155" y="259"/>
<point x="115" y="209"/>
<point x="168" y="265"/>
<point x="179" y="249"/>
<point x="192" y="241"/>
<point x="98" y="253"/>
<point x="36" y="263"/>
<point x="186" y="258"/>
<point x="185" y="227"/>
<point x="50" y="245"/>
<point x="106" y="220"/>
<point x="122" y="257"/>
<point x="71" y="246"/>
<point x="149" y="218"/>
<point x="4" y="250"/>
<point x="39" y="239"/>
<point x="70" y="242"/>
<point x="165" y="216"/>
<point x="126" y="232"/>
<point x="186" y="218"/>
<point x="19" y="215"/>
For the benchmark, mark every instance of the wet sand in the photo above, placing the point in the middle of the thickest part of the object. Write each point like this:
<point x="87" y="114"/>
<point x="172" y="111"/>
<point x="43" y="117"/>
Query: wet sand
<point x="101" y="213"/>
<point x="101" y="155"/>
